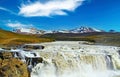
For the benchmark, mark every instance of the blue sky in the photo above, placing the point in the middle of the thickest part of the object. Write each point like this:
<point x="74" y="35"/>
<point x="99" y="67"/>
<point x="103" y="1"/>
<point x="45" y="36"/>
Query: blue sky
<point x="60" y="14"/>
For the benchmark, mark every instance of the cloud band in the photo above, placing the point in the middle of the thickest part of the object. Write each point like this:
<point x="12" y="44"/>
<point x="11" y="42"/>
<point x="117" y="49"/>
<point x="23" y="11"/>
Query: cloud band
<point x="49" y="8"/>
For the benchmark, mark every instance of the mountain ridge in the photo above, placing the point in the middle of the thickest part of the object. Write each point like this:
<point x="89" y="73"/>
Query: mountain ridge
<point x="82" y="29"/>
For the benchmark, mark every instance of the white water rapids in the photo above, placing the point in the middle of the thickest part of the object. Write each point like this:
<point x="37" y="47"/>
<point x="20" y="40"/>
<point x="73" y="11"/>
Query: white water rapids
<point x="73" y="59"/>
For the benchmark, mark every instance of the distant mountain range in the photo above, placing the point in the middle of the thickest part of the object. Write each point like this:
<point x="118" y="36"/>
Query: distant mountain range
<point x="82" y="29"/>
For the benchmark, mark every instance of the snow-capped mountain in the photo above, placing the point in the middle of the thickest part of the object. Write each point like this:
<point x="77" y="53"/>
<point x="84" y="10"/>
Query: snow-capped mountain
<point x="83" y="29"/>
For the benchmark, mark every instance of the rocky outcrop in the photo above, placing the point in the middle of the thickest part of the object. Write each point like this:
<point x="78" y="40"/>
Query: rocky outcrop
<point x="12" y="67"/>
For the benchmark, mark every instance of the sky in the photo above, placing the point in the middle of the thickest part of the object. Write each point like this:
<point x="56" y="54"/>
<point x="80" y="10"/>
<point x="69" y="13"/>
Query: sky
<point x="60" y="14"/>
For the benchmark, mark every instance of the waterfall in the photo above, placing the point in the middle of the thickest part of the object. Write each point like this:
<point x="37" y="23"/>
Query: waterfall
<point x="109" y="62"/>
<point x="66" y="64"/>
<point x="78" y="61"/>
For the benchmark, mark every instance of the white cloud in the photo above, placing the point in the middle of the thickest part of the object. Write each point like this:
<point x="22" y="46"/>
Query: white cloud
<point x="49" y="8"/>
<point x="7" y="10"/>
<point x="18" y="25"/>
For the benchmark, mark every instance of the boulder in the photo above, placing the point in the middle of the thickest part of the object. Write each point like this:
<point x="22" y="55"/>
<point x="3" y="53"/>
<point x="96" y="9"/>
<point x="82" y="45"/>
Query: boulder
<point x="12" y="67"/>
